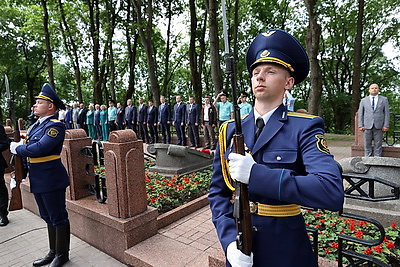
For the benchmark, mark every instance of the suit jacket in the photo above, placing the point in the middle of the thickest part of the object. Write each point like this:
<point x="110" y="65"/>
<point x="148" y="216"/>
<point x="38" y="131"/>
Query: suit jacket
<point x="82" y="116"/>
<point x="142" y="114"/>
<point x="212" y="115"/>
<point x="68" y="116"/>
<point x="164" y="113"/>
<point x="4" y="144"/>
<point x="152" y="115"/>
<point x="120" y="116"/>
<point x="294" y="167"/>
<point x="179" y="113"/>
<point x="131" y="114"/>
<point x="43" y="148"/>
<point x="378" y="118"/>
<point x="192" y="114"/>
<point x="97" y="117"/>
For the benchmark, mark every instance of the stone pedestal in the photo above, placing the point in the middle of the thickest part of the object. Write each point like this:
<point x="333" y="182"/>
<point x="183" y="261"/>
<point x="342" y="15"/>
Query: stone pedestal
<point x="175" y="159"/>
<point x="123" y="159"/>
<point x="75" y="163"/>
<point x="382" y="167"/>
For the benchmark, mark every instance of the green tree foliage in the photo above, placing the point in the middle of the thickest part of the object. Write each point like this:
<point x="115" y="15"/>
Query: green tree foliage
<point x="124" y="73"/>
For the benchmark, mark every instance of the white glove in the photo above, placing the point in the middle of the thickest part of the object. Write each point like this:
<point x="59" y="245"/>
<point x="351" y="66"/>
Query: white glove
<point x="240" y="166"/>
<point x="237" y="258"/>
<point x="14" y="145"/>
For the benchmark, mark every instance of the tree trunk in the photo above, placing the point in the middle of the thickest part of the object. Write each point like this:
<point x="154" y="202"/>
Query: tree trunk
<point x="94" y="32"/>
<point x="167" y="51"/>
<point x="131" y="53"/>
<point x="49" y="56"/>
<point x="145" y="33"/>
<point x="212" y="7"/>
<point x="195" y="75"/>
<point x="355" y="81"/>
<point x="312" y="46"/>
<point x="72" y="50"/>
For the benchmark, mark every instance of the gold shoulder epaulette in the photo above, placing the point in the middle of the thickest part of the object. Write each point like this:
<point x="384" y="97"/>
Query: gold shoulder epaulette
<point x="301" y="115"/>
<point x="55" y="120"/>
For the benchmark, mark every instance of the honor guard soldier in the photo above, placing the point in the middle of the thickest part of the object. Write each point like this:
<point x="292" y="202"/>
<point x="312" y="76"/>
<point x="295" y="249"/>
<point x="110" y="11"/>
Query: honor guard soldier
<point x="47" y="175"/>
<point x="287" y="164"/>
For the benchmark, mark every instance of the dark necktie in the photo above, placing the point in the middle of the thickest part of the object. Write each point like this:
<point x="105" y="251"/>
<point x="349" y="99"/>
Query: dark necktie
<point x="373" y="103"/>
<point x="260" y="125"/>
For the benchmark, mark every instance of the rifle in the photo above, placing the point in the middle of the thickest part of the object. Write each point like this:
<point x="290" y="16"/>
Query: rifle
<point x="241" y="210"/>
<point x="18" y="174"/>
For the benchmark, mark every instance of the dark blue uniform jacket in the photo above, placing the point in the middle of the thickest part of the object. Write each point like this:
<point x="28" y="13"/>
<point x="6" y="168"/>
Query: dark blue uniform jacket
<point x="44" y="145"/>
<point x="293" y="167"/>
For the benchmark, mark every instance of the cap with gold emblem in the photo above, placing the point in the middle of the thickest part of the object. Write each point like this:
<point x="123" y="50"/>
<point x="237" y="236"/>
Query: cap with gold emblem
<point x="49" y="94"/>
<point x="277" y="46"/>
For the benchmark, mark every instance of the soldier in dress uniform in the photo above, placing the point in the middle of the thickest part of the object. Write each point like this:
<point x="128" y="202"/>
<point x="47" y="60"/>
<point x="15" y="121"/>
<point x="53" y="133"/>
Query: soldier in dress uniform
<point x="47" y="175"/>
<point x="286" y="167"/>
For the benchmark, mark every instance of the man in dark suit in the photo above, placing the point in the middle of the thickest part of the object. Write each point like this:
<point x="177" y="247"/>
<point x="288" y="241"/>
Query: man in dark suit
<point x="142" y="121"/>
<point x="97" y="124"/>
<point x="120" y="116"/>
<point x="373" y="120"/>
<point x="193" y="121"/>
<point x="82" y="118"/>
<point x="164" y="120"/>
<point x="130" y="116"/>
<point x="152" y="119"/>
<point x="47" y="175"/>
<point x="68" y="117"/>
<point x="179" y="120"/>
<point x="3" y="189"/>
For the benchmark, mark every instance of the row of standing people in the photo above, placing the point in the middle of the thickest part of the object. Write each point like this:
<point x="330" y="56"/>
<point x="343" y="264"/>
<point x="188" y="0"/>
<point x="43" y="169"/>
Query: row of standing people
<point x="148" y="120"/>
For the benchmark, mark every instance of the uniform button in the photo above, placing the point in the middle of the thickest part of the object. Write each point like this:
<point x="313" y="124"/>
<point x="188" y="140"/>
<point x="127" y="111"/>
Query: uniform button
<point x="278" y="158"/>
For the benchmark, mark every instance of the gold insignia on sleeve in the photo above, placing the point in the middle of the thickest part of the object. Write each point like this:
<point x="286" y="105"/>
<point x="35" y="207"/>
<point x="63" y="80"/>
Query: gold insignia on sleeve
<point x="321" y="143"/>
<point x="52" y="132"/>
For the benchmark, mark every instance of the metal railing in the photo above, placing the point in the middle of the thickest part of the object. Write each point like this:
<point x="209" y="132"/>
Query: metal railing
<point x="361" y="187"/>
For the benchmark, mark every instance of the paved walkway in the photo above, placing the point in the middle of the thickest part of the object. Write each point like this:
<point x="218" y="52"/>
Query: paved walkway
<point x="187" y="242"/>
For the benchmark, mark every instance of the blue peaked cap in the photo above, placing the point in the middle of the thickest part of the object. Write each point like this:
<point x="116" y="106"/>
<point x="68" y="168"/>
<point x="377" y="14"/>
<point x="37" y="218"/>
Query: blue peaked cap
<point x="49" y="94"/>
<point x="277" y="46"/>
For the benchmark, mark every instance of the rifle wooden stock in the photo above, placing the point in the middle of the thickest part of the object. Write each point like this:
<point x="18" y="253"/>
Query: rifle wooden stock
<point x="243" y="220"/>
<point x="16" y="197"/>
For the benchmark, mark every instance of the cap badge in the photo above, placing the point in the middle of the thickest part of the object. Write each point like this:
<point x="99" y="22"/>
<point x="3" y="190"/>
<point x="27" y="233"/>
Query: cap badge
<point x="265" y="53"/>
<point x="268" y="34"/>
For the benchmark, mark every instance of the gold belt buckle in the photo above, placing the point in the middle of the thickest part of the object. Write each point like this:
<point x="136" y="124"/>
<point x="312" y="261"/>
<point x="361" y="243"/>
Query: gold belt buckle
<point x="253" y="207"/>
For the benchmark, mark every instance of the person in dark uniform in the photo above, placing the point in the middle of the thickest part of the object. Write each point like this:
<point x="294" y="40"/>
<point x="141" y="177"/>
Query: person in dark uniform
<point x="164" y="120"/>
<point x="130" y="116"/>
<point x="152" y="119"/>
<point x="3" y="189"/>
<point x="287" y="163"/>
<point x="142" y="121"/>
<point x="179" y="120"/>
<point x="47" y="175"/>
<point x="193" y="122"/>
<point x="82" y="118"/>
<point x="120" y="117"/>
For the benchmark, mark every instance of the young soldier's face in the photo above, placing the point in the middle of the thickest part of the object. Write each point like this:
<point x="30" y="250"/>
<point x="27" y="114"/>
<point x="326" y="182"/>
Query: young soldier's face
<point x="269" y="82"/>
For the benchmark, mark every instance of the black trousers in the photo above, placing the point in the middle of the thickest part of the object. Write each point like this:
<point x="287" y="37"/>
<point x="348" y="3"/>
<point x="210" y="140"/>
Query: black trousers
<point x="166" y="133"/>
<point x="3" y="195"/>
<point x="180" y="133"/>
<point x="194" y="135"/>
<point x="52" y="207"/>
